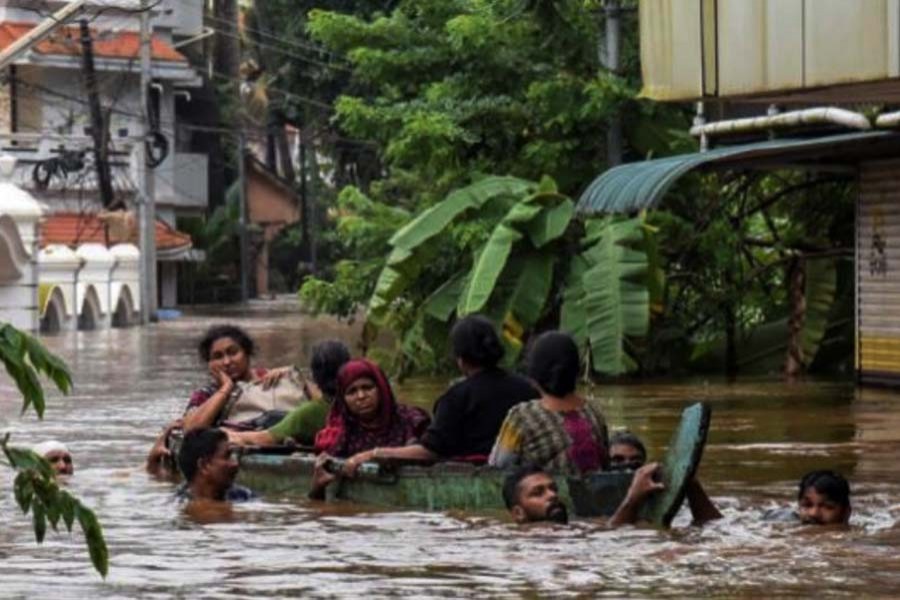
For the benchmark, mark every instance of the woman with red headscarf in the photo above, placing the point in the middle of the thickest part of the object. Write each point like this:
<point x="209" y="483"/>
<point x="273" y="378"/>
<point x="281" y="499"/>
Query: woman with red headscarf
<point x="365" y="415"/>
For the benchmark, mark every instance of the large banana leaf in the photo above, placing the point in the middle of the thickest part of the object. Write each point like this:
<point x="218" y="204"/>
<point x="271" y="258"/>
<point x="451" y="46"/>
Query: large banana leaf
<point x="532" y="287"/>
<point x="405" y="260"/>
<point x="551" y="223"/>
<point x="572" y="315"/>
<point x="821" y="286"/>
<point x="492" y="258"/>
<point x="434" y="220"/>
<point x="615" y="300"/>
<point x="442" y="302"/>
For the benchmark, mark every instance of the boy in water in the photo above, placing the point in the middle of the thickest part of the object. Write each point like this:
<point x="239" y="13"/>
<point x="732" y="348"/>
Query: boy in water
<point x="824" y="499"/>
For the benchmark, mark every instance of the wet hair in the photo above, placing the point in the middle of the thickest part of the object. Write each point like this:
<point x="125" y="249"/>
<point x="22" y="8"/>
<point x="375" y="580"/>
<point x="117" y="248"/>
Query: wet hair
<point x="198" y="444"/>
<point x="475" y="340"/>
<point x="512" y="483"/>
<point x="553" y="363"/>
<point x="217" y="332"/>
<point x="627" y="438"/>
<point x="830" y="484"/>
<point x="327" y="359"/>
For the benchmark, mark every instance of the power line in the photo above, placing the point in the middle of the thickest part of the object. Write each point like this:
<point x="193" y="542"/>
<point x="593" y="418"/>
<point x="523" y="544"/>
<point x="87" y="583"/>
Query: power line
<point x="170" y="125"/>
<point x="286" y="53"/>
<point x="295" y="43"/>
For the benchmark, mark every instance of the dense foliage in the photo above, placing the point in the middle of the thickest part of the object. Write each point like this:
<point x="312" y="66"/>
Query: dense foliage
<point x="738" y="271"/>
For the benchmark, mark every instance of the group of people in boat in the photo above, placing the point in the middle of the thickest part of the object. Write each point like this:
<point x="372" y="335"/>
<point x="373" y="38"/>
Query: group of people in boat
<point x="532" y="427"/>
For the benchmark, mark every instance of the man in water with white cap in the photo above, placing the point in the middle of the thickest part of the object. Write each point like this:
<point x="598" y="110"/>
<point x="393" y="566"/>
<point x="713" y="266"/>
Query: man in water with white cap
<point x="58" y="455"/>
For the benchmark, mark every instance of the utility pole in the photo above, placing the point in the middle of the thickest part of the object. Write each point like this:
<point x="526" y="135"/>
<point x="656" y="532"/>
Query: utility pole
<point x="613" y="13"/>
<point x="98" y="127"/>
<point x="305" y="213"/>
<point x="146" y="206"/>
<point x="242" y="198"/>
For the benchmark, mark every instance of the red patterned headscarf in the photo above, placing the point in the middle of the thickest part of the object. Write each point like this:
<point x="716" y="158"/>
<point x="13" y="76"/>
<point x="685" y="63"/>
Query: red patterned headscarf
<point x="343" y="435"/>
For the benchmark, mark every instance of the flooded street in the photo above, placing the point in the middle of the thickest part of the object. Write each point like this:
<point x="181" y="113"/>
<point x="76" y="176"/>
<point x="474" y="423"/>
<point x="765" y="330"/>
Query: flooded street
<point x="765" y="435"/>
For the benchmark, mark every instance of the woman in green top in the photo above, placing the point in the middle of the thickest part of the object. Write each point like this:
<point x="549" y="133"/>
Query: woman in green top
<point x="302" y="423"/>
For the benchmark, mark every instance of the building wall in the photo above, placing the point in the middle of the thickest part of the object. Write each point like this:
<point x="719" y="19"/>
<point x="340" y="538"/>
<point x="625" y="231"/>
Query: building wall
<point x="878" y="272"/>
<point x="731" y="48"/>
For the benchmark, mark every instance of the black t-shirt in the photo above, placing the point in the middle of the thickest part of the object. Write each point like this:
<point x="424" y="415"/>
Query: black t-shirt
<point x="468" y="416"/>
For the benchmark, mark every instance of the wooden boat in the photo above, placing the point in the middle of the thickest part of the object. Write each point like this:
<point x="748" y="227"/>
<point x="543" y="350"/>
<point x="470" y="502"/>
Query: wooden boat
<point x="459" y="486"/>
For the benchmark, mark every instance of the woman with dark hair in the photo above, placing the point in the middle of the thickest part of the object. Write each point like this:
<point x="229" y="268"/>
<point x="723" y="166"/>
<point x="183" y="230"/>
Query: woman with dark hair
<point x="364" y="419"/>
<point x="304" y="422"/>
<point x="560" y="432"/>
<point x="227" y="351"/>
<point x="469" y="414"/>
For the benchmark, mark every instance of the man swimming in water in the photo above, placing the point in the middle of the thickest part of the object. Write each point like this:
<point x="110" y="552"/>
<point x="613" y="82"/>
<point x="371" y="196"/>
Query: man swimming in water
<point x="209" y="468"/>
<point x="531" y="495"/>
<point x="58" y="455"/>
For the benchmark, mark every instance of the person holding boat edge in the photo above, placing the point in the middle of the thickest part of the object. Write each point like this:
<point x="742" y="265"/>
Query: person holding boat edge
<point x="627" y="453"/>
<point x="468" y="416"/>
<point x="531" y="496"/>
<point x="364" y="417"/>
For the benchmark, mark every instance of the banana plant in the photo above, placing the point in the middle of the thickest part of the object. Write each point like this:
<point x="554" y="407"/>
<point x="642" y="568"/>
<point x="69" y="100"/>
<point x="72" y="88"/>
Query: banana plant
<point x="510" y="276"/>
<point x="606" y="299"/>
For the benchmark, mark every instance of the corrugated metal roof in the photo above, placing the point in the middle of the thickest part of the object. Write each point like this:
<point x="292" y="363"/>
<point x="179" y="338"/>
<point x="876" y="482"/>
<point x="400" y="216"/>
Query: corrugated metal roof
<point x="635" y="186"/>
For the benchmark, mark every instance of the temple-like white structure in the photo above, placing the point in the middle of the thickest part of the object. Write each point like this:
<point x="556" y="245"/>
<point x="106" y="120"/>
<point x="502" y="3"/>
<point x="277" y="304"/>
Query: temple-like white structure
<point x="58" y="288"/>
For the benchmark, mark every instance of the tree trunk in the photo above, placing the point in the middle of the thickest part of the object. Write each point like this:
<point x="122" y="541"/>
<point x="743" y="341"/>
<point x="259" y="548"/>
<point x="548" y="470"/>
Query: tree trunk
<point x="794" y="363"/>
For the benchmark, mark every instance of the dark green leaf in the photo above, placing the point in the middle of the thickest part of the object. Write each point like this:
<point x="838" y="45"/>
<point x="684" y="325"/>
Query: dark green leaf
<point x="93" y="535"/>
<point x="39" y="520"/>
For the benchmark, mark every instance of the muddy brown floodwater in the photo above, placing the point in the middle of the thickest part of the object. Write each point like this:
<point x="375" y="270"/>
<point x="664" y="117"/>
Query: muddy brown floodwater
<point x="765" y="434"/>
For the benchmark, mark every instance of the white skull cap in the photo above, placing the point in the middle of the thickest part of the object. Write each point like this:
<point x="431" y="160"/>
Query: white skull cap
<point x="45" y="448"/>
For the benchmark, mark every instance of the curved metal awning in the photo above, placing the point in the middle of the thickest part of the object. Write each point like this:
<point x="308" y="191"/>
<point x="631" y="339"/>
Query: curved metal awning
<point x="636" y="186"/>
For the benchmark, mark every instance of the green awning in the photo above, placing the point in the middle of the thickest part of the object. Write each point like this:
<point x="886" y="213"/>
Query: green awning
<point x="635" y="186"/>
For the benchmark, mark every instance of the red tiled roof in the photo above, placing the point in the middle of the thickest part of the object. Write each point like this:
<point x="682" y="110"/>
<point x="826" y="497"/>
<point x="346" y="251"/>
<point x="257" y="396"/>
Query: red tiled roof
<point x="67" y="41"/>
<point x="73" y="229"/>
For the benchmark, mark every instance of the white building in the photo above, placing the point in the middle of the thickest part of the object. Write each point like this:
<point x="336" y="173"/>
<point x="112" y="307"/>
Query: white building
<point x="45" y="119"/>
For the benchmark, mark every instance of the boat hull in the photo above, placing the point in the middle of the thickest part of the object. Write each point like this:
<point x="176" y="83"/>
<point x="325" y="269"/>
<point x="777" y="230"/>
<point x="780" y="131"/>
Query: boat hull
<point x="445" y="486"/>
<point x="460" y="486"/>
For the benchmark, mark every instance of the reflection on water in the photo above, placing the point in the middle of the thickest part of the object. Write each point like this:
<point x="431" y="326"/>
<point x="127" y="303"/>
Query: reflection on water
<point x="765" y="435"/>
